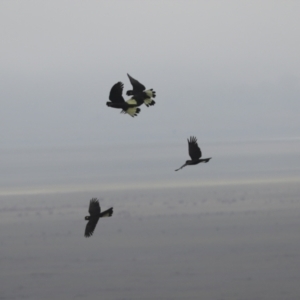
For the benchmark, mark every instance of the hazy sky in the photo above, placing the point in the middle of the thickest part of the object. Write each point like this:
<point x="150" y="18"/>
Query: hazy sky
<point x="221" y="69"/>
<point x="227" y="72"/>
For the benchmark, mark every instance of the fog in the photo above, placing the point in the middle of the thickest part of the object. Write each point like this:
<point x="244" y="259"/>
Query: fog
<point x="213" y="242"/>
<point x="221" y="70"/>
<point x="68" y="169"/>
<point x="226" y="229"/>
<point x="226" y="72"/>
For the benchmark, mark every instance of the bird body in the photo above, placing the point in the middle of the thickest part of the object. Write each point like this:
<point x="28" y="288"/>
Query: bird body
<point x="95" y="215"/>
<point x="140" y="93"/>
<point x="117" y="101"/>
<point x="195" y="154"/>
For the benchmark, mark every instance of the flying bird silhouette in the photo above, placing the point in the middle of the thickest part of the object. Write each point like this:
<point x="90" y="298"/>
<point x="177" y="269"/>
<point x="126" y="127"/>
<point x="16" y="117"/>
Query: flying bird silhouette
<point x="195" y="154"/>
<point x="117" y="101"/>
<point x="140" y="93"/>
<point x="95" y="215"/>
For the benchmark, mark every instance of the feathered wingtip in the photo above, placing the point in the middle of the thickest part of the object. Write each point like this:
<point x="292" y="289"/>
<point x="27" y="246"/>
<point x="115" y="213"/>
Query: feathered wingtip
<point x="94" y="200"/>
<point x="193" y="140"/>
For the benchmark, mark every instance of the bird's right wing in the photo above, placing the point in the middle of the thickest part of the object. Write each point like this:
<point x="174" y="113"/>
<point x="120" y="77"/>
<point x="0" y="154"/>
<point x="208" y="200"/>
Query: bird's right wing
<point x="94" y="208"/>
<point x="115" y="94"/>
<point x="194" y="150"/>
<point x="137" y="86"/>
<point x="90" y="226"/>
<point x="107" y="213"/>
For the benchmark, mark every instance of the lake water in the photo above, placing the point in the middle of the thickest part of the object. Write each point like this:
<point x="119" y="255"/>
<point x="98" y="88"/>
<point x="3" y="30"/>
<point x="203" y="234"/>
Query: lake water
<point x="224" y="230"/>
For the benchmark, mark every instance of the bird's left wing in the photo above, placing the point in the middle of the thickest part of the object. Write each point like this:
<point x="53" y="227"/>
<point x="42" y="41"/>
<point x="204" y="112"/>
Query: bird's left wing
<point x="115" y="94"/>
<point x="137" y="86"/>
<point x="107" y="213"/>
<point x="90" y="226"/>
<point x="94" y="209"/>
<point x="194" y="150"/>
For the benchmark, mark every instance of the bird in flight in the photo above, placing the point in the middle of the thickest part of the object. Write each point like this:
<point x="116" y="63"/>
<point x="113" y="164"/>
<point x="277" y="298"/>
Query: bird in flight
<point x="140" y="93"/>
<point x="117" y="101"/>
<point x="95" y="215"/>
<point x="195" y="154"/>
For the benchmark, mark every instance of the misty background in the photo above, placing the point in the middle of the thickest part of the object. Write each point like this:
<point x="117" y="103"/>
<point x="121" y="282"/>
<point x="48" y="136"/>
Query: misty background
<point x="222" y="70"/>
<point x="226" y="72"/>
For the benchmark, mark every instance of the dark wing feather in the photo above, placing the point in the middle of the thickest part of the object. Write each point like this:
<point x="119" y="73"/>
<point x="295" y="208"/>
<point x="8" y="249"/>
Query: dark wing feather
<point x="115" y="94"/>
<point x="90" y="226"/>
<point x="94" y="209"/>
<point x="137" y="86"/>
<point x="107" y="213"/>
<point x="194" y="150"/>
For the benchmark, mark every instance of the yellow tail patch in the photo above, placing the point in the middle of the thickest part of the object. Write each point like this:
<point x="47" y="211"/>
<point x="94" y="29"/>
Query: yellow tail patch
<point x="148" y="101"/>
<point x="150" y="93"/>
<point x="133" y="111"/>
<point x="132" y="101"/>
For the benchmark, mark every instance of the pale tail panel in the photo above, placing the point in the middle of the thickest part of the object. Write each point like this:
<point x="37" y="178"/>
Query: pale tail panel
<point x="133" y="111"/>
<point x="132" y="101"/>
<point x="150" y="93"/>
<point x="149" y="102"/>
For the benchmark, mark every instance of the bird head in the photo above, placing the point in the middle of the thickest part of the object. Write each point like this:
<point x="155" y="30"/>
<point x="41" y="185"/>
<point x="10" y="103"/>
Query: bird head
<point x="87" y="218"/>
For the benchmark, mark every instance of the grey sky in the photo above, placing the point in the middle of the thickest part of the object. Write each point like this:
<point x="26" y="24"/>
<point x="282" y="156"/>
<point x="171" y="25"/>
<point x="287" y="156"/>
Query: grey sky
<point x="222" y="70"/>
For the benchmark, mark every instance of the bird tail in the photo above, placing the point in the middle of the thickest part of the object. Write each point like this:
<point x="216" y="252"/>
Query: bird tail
<point x="181" y="167"/>
<point x="132" y="111"/>
<point x="150" y="93"/>
<point x="107" y="213"/>
<point x="206" y="159"/>
<point x="149" y="102"/>
<point x="132" y="102"/>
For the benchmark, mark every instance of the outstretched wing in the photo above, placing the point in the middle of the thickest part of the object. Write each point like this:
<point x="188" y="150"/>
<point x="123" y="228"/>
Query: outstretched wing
<point x="90" y="226"/>
<point x="94" y="208"/>
<point x="107" y="213"/>
<point x="137" y="86"/>
<point x="194" y="150"/>
<point x="115" y="94"/>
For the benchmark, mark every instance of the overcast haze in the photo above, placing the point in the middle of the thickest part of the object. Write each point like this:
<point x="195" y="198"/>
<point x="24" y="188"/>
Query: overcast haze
<point x="221" y="69"/>
<point x="226" y="72"/>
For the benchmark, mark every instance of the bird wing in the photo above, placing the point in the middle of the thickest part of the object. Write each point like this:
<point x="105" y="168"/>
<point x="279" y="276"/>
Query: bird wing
<point x="107" y="213"/>
<point x="194" y="150"/>
<point x="90" y="226"/>
<point x="94" y="209"/>
<point x="137" y="86"/>
<point x="115" y="94"/>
